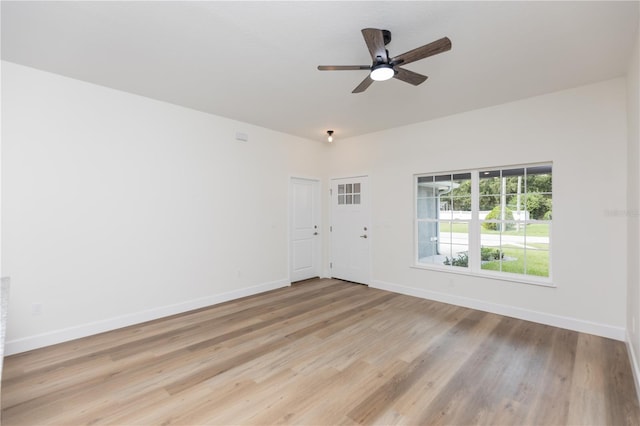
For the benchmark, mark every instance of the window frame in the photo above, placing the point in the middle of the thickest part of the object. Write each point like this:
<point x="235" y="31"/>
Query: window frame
<point x="450" y="181"/>
<point x="474" y="267"/>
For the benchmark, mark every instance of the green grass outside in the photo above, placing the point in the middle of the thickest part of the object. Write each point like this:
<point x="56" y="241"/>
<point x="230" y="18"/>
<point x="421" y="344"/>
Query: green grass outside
<point x="457" y="227"/>
<point x="533" y="230"/>
<point x="537" y="262"/>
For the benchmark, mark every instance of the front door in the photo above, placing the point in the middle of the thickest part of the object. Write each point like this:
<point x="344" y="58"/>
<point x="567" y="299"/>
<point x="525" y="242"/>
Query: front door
<point x="351" y="233"/>
<point x="305" y="229"/>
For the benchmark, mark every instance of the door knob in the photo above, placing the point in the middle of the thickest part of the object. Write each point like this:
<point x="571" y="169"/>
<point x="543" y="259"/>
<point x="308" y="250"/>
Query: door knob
<point x="363" y="236"/>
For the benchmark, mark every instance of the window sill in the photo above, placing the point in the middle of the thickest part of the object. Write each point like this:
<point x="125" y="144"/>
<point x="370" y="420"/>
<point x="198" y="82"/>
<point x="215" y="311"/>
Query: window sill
<point x="505" y="276"/>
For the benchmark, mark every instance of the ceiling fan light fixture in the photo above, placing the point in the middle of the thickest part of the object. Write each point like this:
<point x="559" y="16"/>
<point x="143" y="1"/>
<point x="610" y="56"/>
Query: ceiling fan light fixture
<point x="382" y="72"/>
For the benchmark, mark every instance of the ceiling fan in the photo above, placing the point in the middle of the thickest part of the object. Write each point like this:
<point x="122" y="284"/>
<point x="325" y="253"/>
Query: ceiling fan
<point x="383" y="67"/>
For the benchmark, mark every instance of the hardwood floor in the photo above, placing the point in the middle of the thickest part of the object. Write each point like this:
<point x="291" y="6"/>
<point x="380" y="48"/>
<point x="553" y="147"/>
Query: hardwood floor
<point x="323" y="353"/>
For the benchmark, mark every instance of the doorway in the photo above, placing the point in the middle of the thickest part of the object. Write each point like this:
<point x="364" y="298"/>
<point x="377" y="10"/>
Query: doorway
<point x="305" y="232"/>
<point x="350" y="229"/>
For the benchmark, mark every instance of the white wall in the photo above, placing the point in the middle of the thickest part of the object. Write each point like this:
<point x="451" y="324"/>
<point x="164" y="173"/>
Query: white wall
<point x="633" y="210"/>
<point x="119" y="208"/>
<point x="583" y="132"/>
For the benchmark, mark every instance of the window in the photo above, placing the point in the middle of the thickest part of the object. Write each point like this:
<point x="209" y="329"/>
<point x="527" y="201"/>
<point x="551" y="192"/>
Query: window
<point x="349" y="193"/>
<point x="443" y="215"/>
<point x="493" y="221"/>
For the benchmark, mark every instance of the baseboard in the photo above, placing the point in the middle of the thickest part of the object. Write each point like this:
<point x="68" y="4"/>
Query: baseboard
<point x="617" y="333"/>
<point x="635" y="367"/>
<point x="63" y="335"/>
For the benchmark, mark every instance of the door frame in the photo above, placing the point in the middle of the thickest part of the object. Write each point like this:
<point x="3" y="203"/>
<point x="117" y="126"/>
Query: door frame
<point x="319" y="209"/>
<point x="371" y="235"/>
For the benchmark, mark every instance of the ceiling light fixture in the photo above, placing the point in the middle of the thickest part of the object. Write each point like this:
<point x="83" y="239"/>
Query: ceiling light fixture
<point x="330" y="138"/>
<point x="382" y="72"/>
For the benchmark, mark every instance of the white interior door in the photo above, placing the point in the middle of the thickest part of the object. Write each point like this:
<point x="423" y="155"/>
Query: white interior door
<point x="304" y="229"/>
<point x="351" y="233"/>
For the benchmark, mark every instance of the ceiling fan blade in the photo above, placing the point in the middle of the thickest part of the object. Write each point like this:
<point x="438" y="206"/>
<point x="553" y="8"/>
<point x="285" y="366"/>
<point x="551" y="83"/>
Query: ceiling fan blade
<point x="343" y="67"/>
<point x="375" y="43"/>
<point x="438" y="46"/>
<point x="363" y="86"/>
<point x="409" y="76"/>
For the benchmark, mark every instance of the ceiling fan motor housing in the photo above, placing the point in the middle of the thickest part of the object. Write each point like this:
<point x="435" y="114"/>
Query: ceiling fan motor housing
<point x="386" y="36"/>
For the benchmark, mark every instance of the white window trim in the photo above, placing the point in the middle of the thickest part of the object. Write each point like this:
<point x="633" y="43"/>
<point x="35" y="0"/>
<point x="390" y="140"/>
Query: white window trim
<point x="474" y="268"/>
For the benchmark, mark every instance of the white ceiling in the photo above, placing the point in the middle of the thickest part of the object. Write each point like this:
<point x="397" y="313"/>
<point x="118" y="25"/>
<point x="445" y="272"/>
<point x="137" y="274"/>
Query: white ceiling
<point x="256" y="61"/>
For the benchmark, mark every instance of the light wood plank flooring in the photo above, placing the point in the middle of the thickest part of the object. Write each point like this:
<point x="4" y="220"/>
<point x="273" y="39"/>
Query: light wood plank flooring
<point x="325" y="352"/>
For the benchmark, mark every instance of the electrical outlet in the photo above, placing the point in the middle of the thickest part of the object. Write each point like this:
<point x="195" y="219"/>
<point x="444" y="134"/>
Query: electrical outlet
<point x="36" y="309"/>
